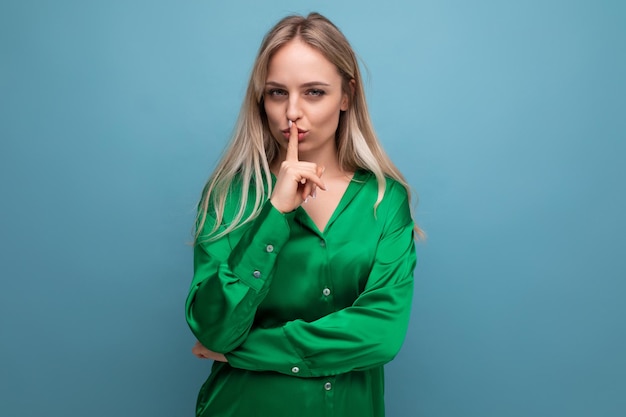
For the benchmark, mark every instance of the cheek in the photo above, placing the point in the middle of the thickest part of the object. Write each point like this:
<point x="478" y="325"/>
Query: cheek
<point x="328" y="115"/>
<point x="272" y="114"/>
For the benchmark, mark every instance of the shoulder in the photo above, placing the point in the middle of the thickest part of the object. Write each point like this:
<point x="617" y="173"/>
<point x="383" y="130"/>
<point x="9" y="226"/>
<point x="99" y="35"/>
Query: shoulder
<point x="228" y="200"/>
<point x="395" y="192"/>
<point x="228" y="206"/>
<point x="240" y="197"/>
<point x="394" y="209"/>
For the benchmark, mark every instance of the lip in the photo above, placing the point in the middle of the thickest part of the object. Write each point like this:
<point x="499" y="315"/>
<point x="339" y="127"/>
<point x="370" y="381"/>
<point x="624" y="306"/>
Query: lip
<point x="301" y="133"/>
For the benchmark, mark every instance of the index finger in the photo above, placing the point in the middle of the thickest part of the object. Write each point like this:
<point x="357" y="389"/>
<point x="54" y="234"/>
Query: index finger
<point x="292" y="147"/>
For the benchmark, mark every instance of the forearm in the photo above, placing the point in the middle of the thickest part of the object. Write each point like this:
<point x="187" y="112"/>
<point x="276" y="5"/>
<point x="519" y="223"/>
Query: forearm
<point x="229" y="285"/>
<point x="355" y="338"/>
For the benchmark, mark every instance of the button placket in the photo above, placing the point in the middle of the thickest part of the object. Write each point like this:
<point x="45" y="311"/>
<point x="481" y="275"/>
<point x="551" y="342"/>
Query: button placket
<point x="329" y="394"/>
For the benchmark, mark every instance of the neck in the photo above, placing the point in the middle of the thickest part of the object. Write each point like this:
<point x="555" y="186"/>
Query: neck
<point x="330" y="163"/>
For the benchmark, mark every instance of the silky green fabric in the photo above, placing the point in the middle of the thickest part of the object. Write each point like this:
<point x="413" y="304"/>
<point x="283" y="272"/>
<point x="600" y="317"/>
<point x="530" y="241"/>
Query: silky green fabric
<point x="306" y="318"/>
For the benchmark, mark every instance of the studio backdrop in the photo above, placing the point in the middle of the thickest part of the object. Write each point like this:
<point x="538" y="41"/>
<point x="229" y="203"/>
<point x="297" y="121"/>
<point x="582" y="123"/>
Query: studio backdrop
<point x="507" y="118"/>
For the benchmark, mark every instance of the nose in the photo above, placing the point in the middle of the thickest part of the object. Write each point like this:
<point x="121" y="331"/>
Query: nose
<point x="294" y="111"/>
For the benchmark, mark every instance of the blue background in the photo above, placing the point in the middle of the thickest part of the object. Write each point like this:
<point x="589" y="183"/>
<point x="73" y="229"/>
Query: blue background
<point x="507" y="117"/>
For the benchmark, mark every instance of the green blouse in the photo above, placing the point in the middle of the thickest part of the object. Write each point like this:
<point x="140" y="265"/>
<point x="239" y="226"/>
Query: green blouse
<point x="306" y="318"/>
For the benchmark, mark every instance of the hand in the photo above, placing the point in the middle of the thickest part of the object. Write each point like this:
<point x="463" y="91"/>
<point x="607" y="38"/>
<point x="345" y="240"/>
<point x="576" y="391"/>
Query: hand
<point x="297" y="180"/>
<point x="203" y="353"/>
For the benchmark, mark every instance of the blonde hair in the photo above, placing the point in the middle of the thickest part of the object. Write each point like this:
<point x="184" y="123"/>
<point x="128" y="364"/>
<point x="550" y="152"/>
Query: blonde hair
<point x="253" y="149"/>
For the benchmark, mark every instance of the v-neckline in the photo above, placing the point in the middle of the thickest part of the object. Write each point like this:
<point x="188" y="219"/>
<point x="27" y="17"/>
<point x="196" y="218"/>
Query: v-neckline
<point x="355" y="184"/>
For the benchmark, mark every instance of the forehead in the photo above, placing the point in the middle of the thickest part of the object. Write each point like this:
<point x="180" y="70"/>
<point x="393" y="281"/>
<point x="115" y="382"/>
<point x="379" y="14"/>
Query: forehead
<point x="297" y="62"/>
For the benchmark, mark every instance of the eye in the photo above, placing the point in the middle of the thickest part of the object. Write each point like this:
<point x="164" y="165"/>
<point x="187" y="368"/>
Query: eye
<point x="316" y="92"/>
<point x="276" y="92"/>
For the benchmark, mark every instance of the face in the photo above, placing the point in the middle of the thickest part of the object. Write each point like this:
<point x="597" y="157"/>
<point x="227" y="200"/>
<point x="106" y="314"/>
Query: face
<point x="305" y="87"/>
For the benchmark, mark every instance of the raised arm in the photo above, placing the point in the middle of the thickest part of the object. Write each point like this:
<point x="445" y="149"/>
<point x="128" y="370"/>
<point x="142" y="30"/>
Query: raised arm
<point x="230" y="282"/>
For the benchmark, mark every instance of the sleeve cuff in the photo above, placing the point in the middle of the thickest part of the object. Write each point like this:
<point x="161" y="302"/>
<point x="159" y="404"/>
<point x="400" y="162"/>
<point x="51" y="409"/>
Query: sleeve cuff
<point x="272" y="352"/>
<point x="252" y="260"/>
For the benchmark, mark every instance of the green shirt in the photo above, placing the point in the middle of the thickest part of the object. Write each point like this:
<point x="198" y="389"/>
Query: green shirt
<point x="306" y="318"/>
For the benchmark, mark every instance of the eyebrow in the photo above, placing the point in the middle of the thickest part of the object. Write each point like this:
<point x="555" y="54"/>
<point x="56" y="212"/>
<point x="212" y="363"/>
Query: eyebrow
<point x="309" y="84"/>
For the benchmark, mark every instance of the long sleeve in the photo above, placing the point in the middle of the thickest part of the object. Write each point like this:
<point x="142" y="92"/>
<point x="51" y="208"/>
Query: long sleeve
<point x="231" y="277"/>
<point x="366" y="334"/>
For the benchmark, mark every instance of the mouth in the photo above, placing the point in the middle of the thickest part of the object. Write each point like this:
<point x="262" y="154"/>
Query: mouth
<point x="301" y="133"/>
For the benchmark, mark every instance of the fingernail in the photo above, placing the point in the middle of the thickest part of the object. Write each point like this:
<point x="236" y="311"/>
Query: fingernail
<point x="315" y="193"/>
<point x="290" y="123"/>
<point x="306" y="200"/>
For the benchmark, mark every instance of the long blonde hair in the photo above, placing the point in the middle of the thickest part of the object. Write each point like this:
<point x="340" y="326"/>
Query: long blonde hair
<point x="252" y="149"/>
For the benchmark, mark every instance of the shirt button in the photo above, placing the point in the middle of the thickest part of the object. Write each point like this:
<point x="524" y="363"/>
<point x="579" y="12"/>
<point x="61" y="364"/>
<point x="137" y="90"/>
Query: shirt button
<point x="269" y="248"/>
<point x="326" y="291"/>
<point x="295" y="369"/>
<point x="328" y="386"/>
<point x="322" y="243"/>
<point x="256" y="274"/>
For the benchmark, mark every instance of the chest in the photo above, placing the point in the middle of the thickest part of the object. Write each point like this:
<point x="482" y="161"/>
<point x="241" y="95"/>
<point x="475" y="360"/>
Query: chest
<point x="321" y="208"/>
<point x="319" y="273"/>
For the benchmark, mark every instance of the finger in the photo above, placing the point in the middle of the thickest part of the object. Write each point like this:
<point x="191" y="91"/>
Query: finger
<point x="319" y="171"/>
<point x="197" y="354"/>
<point x="310" y="177"/>
<point x="306" y="191"/>
<point x="292" y="147"/>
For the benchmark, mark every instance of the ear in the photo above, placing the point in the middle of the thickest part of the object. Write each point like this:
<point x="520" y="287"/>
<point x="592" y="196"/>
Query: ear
<point x="346" y="99"/>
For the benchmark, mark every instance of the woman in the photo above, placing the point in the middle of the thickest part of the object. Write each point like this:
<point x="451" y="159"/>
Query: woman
<point x="304" y="254"/>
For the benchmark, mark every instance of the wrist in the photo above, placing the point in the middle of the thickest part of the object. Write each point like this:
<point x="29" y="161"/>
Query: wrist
<point x="278" y="207"/>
